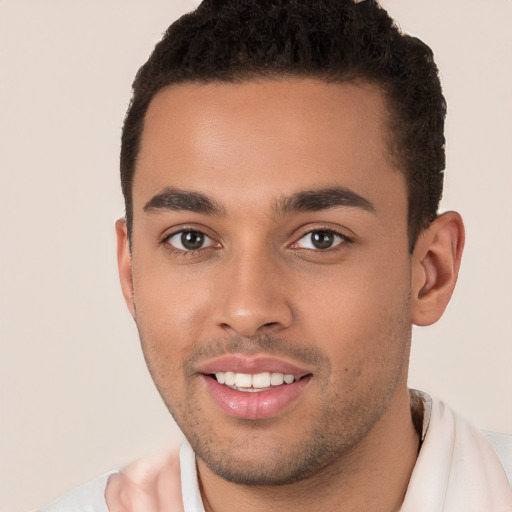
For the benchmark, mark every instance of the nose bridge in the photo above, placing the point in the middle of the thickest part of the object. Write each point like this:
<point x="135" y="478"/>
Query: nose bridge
<point x="253" y="295"/>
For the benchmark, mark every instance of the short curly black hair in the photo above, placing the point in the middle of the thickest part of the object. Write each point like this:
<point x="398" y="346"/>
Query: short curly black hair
<point x="333" y="40"/>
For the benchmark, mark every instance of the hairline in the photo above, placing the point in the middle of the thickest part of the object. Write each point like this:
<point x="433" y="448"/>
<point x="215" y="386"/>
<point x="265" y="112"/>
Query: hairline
<point x="391" y="140"/>
<point x="391" y="137"/>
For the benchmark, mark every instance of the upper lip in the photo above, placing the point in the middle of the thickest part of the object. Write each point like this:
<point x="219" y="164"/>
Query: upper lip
<point x="238" y="363"/>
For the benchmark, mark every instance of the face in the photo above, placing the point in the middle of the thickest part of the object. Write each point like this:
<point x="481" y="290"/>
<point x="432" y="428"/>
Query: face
<point x="270" y="276"/>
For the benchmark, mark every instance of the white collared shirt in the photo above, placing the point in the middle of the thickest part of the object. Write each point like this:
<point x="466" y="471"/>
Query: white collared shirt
<point x="458" y="469"/>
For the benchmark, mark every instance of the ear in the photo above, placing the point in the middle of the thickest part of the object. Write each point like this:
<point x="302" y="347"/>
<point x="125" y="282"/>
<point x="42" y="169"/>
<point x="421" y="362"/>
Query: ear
<point x="435" y="267"/>
<point x="124" y="264"/>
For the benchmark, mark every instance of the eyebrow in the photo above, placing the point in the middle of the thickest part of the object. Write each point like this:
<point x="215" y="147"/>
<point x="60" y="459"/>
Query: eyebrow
<point x="183" y="200"/>
<point x="304" y="201"/>
<point x="323" y="199"/>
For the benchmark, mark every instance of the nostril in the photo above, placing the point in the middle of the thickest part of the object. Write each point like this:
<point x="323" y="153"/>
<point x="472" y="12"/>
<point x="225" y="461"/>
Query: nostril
<point x="249" y="317"/>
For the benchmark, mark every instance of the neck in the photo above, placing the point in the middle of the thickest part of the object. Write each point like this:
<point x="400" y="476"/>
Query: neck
<point x="372" y="477"/>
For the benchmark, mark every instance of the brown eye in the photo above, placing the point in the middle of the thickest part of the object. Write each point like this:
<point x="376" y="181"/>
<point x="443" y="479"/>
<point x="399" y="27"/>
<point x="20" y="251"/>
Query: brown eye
<point x="189" y="240"/>
<point x="321" y="239"/>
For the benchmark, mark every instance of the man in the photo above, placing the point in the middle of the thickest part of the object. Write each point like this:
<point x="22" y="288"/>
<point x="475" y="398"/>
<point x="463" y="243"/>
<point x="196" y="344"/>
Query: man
<point x="282" y="167"/>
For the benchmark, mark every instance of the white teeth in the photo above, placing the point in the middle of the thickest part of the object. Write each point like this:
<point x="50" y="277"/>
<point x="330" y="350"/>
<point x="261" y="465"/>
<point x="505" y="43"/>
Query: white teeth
<point x="261" y="380"/>
<point x="243" y="380"/>
<point x="289" y="379"/>
<point x="229" y="378"/>
<point x="276" y="379"/>
<point x="258" y="381"/>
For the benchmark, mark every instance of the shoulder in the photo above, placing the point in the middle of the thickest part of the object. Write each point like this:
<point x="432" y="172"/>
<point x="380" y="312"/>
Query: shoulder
<point x="458" y="467"/>
<point x="502" y="444"/>
<point x="135" y="487"/>
<point x="89" y="497"/>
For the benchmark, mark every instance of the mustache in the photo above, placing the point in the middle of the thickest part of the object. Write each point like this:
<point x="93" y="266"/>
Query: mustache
<point x="270" y="345"/>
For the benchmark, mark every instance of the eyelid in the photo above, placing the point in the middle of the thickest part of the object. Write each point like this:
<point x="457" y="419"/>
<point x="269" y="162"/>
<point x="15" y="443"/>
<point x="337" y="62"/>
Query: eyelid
<point x="187" y="228"/>
<point x="178" y="241"/>
<point x="345" y="239"/>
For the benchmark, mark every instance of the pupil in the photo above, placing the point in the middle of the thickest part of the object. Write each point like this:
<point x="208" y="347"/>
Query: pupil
<point x="192" y="240"/>
<point x="322" y="239"/>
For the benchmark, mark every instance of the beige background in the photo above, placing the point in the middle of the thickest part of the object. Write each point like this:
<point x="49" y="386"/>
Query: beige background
<point x="76" y="399"/>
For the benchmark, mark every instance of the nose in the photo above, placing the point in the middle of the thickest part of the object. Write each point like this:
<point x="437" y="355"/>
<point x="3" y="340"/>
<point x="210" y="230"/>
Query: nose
<point x="252" y="296"/>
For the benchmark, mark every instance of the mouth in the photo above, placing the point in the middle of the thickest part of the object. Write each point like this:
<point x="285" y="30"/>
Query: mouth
<point x="254" y="383"/>
<point x="254" y="387"/>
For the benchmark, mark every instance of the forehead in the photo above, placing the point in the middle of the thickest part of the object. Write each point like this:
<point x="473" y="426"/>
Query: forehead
<point x="272" y="137"/>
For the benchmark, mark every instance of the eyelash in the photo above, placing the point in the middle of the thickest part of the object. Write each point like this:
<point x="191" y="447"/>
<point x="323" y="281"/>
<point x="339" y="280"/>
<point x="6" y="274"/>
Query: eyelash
<point x="184" y="253"/>
<point x="344" y="240"/>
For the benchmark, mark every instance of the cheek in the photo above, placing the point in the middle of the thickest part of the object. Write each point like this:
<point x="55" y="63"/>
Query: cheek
<point x="170" y="312"/>
<point x="168" y="301"/>
<point x="361" y="313"/>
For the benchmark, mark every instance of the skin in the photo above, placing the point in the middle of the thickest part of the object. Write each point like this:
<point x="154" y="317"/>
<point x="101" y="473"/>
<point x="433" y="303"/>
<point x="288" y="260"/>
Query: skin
<point x="259" y="286"/>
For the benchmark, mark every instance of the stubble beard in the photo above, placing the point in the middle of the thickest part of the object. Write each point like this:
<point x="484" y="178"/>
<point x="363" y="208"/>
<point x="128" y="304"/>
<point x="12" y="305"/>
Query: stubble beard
<point x="340" y="421"/>
<point x="316" y="453"/>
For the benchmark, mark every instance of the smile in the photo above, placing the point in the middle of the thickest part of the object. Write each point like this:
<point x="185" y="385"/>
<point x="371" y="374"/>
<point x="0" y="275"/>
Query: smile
<point x="253" y="387"/>
<point x="258" y="382"/>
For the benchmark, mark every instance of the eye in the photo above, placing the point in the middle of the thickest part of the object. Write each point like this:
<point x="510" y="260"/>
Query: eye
<point x="189" y="240"/>
<point x="320" y="239"/>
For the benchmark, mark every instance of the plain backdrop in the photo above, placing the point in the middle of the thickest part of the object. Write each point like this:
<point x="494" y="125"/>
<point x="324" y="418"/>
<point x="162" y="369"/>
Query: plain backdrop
<point x="76" y="398"/>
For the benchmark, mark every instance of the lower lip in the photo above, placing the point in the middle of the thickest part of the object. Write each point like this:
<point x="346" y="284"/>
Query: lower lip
<point x="255" y="405"/>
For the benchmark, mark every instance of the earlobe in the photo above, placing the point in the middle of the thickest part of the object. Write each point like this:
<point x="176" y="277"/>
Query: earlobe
<point x="124" y="263"/>
<point x="435" y="267"/>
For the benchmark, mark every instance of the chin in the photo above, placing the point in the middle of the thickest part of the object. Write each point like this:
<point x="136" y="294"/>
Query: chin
<point x="281" y="469"/>
<point x="263" y="459"/>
